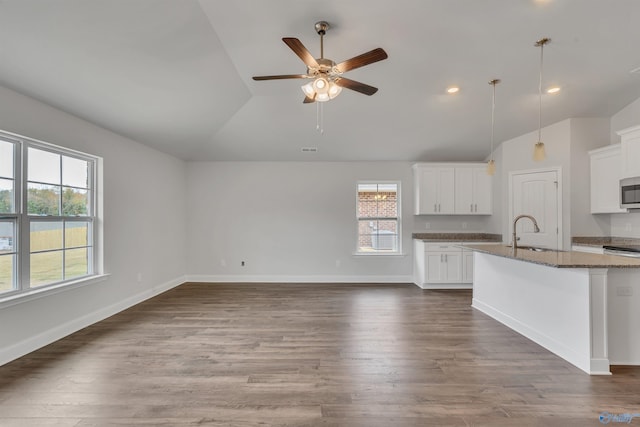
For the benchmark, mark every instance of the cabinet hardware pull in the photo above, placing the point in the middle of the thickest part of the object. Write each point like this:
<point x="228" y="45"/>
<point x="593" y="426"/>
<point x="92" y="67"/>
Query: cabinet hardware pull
<point x="435" y="207"/>
<point x="471" y="207"/>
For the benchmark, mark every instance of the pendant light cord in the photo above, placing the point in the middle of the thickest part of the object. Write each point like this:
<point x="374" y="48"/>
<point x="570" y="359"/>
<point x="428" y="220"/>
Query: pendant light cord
<point x="542" y="43"/>
<point x="493" y="114"/>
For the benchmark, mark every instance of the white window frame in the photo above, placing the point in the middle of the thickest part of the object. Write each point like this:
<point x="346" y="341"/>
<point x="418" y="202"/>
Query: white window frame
<point x="22" y="290"/>
<point x="398" y="218"/>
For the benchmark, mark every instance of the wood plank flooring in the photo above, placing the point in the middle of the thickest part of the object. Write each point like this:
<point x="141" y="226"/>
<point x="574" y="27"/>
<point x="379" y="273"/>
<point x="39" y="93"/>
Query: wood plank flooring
<point x="305" y="355"/>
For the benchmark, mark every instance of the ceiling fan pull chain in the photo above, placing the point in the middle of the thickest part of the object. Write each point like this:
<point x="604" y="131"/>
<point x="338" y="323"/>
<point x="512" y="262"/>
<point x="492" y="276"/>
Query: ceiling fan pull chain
<point x="319" y="118"/>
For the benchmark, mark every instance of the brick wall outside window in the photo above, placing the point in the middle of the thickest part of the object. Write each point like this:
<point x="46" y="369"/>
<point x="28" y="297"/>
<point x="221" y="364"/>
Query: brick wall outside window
<point x="375" y="231"/>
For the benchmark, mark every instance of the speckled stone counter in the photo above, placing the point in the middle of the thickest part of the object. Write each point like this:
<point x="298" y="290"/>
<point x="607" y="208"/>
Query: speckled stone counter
<point x="559" y="259"/>
<point x="457" y="237"/>
<point x="604" y="241"/>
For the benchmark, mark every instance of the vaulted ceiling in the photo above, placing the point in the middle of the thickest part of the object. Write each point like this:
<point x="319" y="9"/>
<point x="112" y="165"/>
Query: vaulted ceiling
<point x="176" y="74"/>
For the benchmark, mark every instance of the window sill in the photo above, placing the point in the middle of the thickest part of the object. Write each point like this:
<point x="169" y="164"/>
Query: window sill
<point x="374" y="254"/>
<point x="33" y="294"/>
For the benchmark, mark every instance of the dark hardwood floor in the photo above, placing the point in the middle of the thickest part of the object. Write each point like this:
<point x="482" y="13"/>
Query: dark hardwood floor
<point x="305" y="355"/>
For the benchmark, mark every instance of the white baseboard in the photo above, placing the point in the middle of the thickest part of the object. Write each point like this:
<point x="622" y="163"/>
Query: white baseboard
<point x="49" y="336"/>
<point x="436" y="286"/>
<point x="204" y="278"/>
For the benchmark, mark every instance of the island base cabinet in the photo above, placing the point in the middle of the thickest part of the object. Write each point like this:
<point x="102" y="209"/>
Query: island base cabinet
<point x="562" y="309"/>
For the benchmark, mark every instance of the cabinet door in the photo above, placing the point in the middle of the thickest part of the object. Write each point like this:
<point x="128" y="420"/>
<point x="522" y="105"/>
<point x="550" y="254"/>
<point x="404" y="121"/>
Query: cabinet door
<point x="426" y="191"/>
<point x="446" y="190"/>
<point x="467" y="266"/>
<point x="464" y="203"/>
<point x="453" y="266"/>
<point x="630" y="152"/>
<point x="605" y="180"/>
<point x="482" y="191"/>
<point x="434" y="262"/>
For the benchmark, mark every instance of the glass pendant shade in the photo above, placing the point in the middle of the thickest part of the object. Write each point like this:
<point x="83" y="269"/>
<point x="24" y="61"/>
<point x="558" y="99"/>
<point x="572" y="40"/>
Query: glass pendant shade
<point x="321" y="89"/>
<point x="491" y="167"/>
<point x="539" y="153"/>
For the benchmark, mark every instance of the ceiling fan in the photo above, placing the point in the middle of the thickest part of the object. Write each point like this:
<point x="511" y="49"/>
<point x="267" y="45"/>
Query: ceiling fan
<point x="327" y="75"/>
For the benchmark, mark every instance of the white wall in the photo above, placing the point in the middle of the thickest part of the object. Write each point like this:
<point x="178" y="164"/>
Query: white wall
<point x="567" y="144"/>
<point x="144" y="231"/>
<point x="517" y="155"/>
<point x="586" y="134"/>
<point x="627" y="117"/>
<point x="289" y="221"/>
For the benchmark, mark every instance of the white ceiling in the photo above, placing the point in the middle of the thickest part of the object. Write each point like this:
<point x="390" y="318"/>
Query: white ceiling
<point x="176" y="74"/>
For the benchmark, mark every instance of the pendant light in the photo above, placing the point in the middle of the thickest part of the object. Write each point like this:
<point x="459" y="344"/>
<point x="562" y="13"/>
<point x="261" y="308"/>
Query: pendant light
<point x="491" y="164"/>
<point x="538" y="151"/>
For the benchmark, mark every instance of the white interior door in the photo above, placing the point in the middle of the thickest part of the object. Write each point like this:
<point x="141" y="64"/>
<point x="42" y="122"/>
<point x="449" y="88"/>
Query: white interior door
<point x="536" y="194"/>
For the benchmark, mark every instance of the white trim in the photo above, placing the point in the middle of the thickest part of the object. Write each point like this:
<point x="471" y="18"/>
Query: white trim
<point x="36" y="293"/>
<point x="450" y="286"/>
<point x="42" y="339"/>
<point x="203" y="278"/>
<point x="391" y="254"/>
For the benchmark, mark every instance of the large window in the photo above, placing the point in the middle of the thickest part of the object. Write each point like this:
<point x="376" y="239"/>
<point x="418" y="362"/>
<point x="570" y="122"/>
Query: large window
<point x="378" y="212"/>
<point x="47" y="215"/>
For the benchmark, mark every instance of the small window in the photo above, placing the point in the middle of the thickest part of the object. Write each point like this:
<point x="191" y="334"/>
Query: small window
<point x="378" y="213"/>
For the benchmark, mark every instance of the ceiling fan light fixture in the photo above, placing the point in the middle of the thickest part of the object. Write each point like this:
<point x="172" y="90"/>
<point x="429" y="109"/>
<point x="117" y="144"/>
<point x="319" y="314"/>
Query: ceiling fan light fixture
<point x="321" y="89"/>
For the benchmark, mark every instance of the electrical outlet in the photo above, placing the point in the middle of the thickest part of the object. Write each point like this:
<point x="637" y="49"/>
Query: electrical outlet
<point x="139" y="277"/>
<point x="624" y="291"/>
<point x="223" y="263"/>
<point x="338" y="263"/>
<point x="627" y="227"/>
<point x="427" y="225"/>
<point x="464" y="225"/>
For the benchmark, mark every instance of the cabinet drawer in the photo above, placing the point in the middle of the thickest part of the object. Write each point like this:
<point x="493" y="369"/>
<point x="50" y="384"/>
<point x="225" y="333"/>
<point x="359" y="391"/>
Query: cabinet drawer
<point x="441" y="248"/>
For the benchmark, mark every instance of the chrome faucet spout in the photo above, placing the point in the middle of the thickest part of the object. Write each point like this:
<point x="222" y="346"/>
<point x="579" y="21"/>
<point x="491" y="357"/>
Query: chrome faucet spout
<point x="536" y="229"/>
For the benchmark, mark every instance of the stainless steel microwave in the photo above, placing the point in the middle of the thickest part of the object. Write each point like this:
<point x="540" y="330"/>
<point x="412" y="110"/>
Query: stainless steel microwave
<point x="630" y="193"/>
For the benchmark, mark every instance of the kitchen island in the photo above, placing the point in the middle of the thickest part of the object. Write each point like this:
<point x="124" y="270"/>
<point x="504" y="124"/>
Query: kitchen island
<point x="563" y="301"/>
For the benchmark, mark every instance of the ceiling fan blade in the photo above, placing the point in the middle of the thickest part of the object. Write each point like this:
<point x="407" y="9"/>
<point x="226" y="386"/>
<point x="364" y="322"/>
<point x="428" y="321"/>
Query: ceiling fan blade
<point x="281" y="77"/>
<point x="308" y="100"/>
<point x="357" y="86"/>
<point x="367" y="58"/>
<point x="298" y="48"/>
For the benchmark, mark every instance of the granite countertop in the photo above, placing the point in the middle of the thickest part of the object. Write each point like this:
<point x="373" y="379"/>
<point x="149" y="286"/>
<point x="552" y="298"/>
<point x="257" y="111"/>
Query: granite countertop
<point x="559" y="259"/>
<point x="457" y="237"/>
<point x="599" y="242"/>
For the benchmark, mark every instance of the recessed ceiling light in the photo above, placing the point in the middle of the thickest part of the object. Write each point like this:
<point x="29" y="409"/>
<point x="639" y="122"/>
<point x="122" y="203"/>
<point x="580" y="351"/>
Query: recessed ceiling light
<point x="453" y="89"/>
<point x="554" y="89"/>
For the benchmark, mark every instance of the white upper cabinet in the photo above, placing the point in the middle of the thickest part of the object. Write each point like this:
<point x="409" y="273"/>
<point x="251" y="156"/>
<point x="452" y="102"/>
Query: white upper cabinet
<point x="434" y="190"/>
<point x="606" y="171"/>
<point x="630" y="152"/>
<point x="473" y="191"/>
<point x="452" y="189"/>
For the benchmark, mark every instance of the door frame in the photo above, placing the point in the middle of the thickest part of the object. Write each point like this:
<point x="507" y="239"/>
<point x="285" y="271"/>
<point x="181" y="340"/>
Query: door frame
<point x="558" y="171"/>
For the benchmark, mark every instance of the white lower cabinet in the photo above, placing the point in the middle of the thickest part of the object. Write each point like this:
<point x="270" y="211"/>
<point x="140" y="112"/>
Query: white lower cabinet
<point x="443" y="265"/>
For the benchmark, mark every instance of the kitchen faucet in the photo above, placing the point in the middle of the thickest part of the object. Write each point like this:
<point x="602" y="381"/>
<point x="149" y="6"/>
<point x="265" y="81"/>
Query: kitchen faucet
<point x="536" y="229"/>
